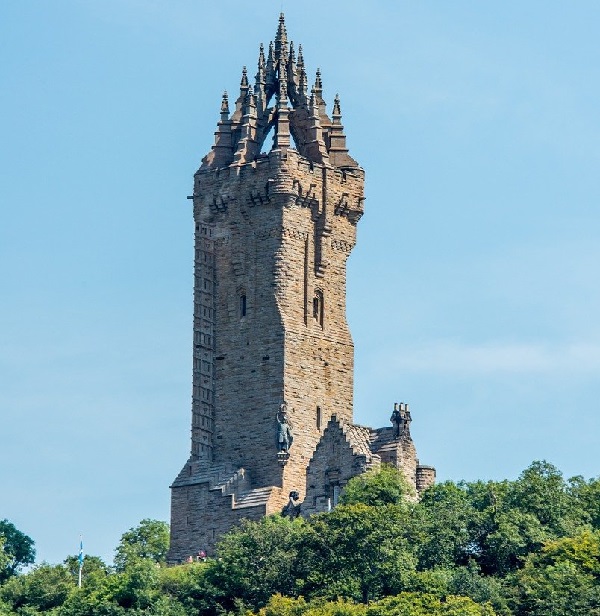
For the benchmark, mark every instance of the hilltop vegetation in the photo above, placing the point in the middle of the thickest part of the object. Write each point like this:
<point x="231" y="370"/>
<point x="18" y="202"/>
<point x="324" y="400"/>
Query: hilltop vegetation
<point x="509" y="548"/>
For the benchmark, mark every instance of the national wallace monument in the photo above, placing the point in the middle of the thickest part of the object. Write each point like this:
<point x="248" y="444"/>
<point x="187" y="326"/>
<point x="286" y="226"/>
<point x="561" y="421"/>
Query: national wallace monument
<point x="276" y="205"/>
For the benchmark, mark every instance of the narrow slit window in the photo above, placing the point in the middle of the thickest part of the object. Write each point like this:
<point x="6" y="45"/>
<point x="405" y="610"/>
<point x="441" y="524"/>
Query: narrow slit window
<point x="318" y="307"/>
<point x="242" y="305"/>
<point x="318" y="418"/>
<point x="336" y="495"/>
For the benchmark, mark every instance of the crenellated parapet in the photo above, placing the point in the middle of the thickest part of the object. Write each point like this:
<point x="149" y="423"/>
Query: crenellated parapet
<point x="288" y="176"/>
<point x="279" y="102"/>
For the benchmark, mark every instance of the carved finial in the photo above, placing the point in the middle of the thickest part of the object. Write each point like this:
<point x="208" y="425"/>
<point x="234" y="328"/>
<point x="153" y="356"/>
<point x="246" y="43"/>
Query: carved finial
<point x="336" y="107"/>
<point x="248" y="101"/>
<point x="318" y="82"/>
<point x="271" y="56"/>
<point x="260" y="74"/>
<point x="300" y="57"/>
<point x="244" y="80"/>
<point x="225" y="106"/>
<point x="302" y="86"/>
<point x="270" y="73"/>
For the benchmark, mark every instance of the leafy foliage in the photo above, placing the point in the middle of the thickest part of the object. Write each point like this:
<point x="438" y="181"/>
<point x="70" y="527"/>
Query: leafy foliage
<point x="404" y="604"/>
<point x="562" y="579"/>
<point x="92" y="565"/>
<point x="509" y="548"/>
<point x="257" y="560"/>
<point x="148" y="540"/>
<point x="384" y="486"/>
<point x="42" y="589"/>
<point x="16" y="550"/>
<point x="358" y="552"/>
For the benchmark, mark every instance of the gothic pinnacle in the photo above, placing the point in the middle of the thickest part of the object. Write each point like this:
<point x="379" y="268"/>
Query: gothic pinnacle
<point x="300" y="57"/>
<point x="281" y="40"/>
<point x="281" y="36"/>
<point x="318" y="82"/>
<point x="260" y="74"/>
<point x="225" y="105"/>
<point x="302" y="85"/>
<point x="271" y="56"/>
<point x="244" y="80"/>
<point x="336" y="106"/>
<point x="318" y="88"/>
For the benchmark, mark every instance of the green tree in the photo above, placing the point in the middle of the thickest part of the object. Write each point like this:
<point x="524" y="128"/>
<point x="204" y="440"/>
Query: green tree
<point x="148" y="540"/>
<point x="384" y="486"/>
<point x="563" y="578"/>
<point x="444" y="520"/>
<point x="44" y="588"/>
<point x="92" y="565"/>
<point x="422" y="604"/>
<point x="189" y="585"/>
<point x="587" y="495"/>
<point x="404" y="604"/>
<point x="257" y="560"/>
<point x="497" y="524"/>
<point x="286" y="606"/>
<point x="542" y="492"/>
<point x="17" y="550"/>
<point x="519" y="517"/>
<point x="357" y="552"/>
<point x="137" y="591"/>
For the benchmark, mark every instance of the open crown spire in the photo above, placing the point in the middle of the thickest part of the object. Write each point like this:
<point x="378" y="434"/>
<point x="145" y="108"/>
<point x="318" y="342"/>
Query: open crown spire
<point x="280" y="102"/>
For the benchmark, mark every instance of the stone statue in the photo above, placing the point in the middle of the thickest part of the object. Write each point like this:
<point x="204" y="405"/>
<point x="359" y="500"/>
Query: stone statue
<point x="285" y="435"/>
<point x="292" y="510"/>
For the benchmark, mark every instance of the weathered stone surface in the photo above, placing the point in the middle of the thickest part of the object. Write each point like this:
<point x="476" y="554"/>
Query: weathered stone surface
<point x="273" y="232"/>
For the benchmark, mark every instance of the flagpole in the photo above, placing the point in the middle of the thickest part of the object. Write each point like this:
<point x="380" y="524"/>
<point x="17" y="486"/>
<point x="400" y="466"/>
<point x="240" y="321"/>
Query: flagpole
<point x="80" y="559"/>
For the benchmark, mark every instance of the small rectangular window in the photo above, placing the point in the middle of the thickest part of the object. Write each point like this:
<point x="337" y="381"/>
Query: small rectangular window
<point x="318" y="418"/>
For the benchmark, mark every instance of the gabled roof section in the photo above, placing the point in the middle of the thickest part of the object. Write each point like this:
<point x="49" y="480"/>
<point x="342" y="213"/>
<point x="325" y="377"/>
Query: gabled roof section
<point x="279" y="101"/>
<point x="359" y="438"/>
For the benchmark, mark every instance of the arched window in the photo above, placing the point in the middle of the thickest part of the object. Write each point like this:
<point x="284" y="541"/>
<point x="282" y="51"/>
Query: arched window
<point x="318" y="307"/>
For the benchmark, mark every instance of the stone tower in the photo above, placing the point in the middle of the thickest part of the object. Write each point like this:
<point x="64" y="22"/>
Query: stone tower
<point x="275" y="222"/>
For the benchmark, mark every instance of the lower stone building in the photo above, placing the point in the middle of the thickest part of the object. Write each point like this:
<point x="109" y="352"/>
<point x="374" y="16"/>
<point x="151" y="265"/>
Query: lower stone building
<point x="347" y="450"/>
<point x="226" y="495"/>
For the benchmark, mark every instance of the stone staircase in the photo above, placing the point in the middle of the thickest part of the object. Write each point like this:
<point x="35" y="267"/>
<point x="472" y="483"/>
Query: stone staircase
<point x="252" y="498"/>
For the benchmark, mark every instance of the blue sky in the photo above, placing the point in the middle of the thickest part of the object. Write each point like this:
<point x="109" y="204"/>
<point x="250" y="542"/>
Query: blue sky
<point x="472" y="293"/>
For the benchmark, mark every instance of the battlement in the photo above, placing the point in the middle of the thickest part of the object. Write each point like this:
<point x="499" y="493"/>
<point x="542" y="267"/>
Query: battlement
<point x="282" y="177"/>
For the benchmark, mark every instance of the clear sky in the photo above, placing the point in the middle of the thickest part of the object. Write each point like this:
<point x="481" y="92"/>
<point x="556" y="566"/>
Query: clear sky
<point x="472" y="293"/>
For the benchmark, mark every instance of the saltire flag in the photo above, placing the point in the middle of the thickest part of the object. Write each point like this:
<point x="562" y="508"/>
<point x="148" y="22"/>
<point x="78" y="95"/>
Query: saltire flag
<point x="80" y="559"/>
